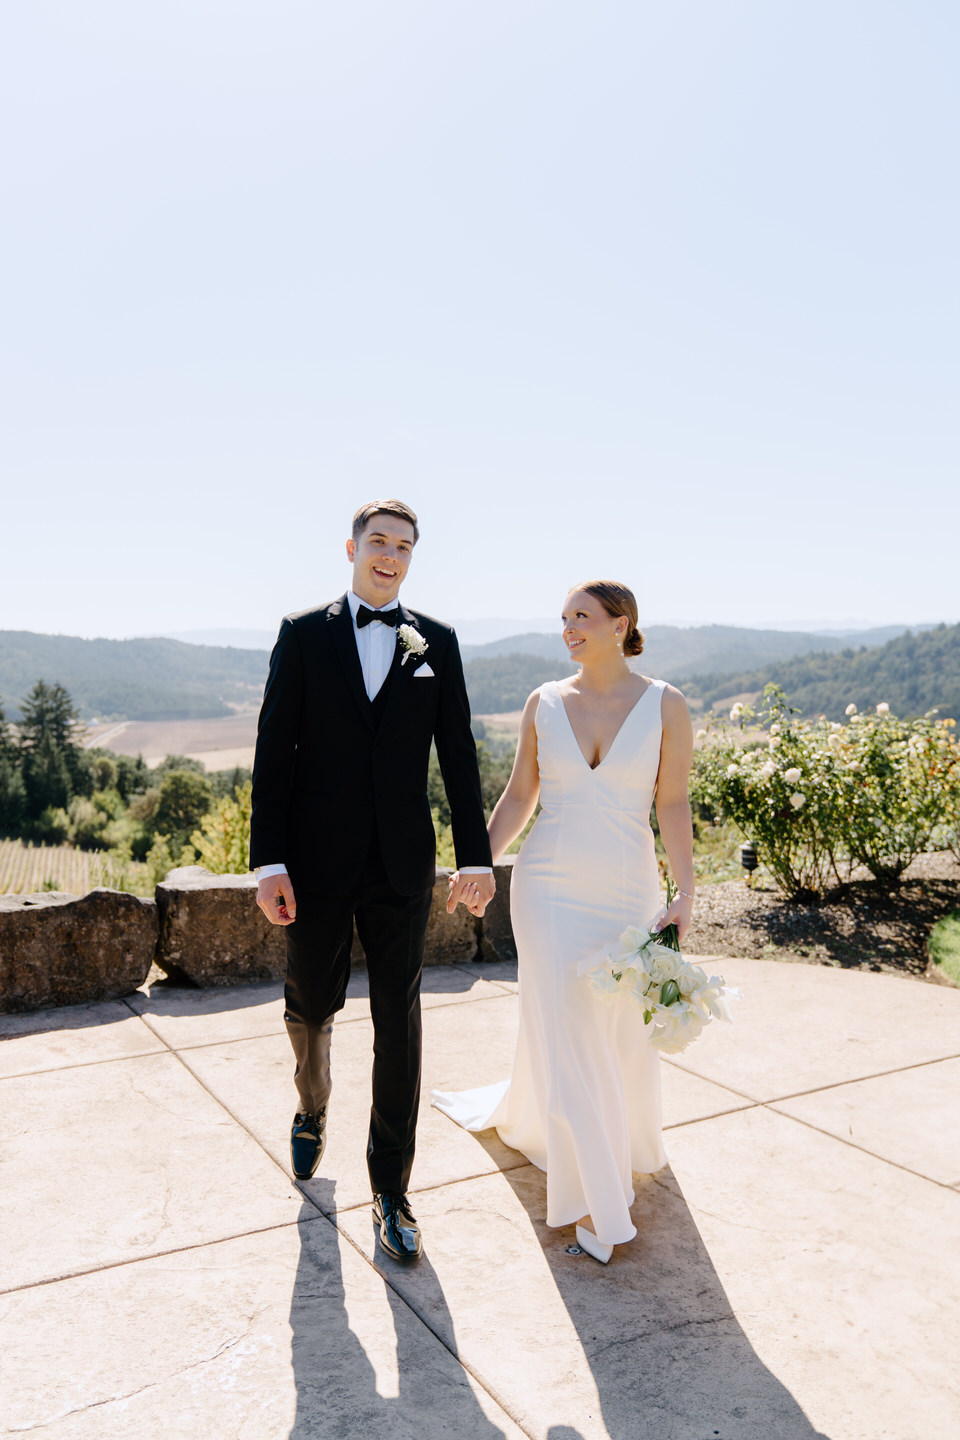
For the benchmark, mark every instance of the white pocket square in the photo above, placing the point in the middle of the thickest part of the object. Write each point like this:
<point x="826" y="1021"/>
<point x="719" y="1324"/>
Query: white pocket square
<point x="423" y="672"/>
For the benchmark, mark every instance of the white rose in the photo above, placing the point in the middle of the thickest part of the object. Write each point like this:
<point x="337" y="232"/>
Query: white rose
<point x="851" y="709"/>
<point x="663" y="964"/>
<point x="775" y="729"/>
<point x="883" y="708"/>
<point x="797" y="800"/>
<point x="633" y="939"/>
<point x="792" y="775"/>
<point x="736" y="712"/>
<point x="767" y="770"/>
<point x="835" y="741"/>
<point x="733" y="769"/>
<point x="701" y="734"/>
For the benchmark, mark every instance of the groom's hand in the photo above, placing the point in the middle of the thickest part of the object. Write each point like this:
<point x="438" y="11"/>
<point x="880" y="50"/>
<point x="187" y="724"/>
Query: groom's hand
<point x="276" y="899"/>
<point x="474" y="891"/>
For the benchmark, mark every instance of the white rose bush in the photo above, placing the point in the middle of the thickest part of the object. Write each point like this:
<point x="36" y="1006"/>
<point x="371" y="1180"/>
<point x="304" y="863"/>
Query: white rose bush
<point x="817" y="797"/>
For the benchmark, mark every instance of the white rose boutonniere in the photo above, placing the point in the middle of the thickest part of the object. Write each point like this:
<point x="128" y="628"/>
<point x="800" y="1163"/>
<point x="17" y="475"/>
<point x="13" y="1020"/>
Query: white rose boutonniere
<point x="412" y="641"/>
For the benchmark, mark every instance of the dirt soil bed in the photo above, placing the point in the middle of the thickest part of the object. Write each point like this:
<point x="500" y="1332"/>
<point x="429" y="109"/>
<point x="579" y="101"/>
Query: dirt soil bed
<point x="861" y="926"/>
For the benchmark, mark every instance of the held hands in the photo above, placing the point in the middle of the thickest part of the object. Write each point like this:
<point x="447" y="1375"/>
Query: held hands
<point x="276" y="899"/>
<point x="474" y="891"/>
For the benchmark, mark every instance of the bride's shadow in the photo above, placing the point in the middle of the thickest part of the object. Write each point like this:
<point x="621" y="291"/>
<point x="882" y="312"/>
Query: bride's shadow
<point x="664" y="1347"/>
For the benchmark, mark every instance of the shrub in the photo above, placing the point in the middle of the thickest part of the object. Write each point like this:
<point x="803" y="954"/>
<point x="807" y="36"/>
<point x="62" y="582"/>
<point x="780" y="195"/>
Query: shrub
<point x="51" y="827"/>
<point x="183" y="800"/>
<point x="899" y="777"/>
<point x="446" y="855"/>
<point x="223" y="841"/>
<point x="165" y="855"/>
<point x="817" y="797"/>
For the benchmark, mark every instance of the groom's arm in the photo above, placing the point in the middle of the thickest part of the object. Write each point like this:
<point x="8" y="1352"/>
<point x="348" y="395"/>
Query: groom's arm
<point x="457" y="753"/>
<point x="277" y="731"/>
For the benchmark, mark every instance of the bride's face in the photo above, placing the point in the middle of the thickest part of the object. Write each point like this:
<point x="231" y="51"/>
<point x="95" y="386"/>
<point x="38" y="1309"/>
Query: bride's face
<point x="587" y="628"/>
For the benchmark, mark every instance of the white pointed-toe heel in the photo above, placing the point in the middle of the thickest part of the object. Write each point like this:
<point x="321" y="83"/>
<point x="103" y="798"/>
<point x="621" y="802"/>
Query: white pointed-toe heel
<point x="589" y="1242"/>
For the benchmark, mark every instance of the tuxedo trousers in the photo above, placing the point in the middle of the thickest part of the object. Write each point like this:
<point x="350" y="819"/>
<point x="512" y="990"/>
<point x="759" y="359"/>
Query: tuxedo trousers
<point x="392" y="928"/>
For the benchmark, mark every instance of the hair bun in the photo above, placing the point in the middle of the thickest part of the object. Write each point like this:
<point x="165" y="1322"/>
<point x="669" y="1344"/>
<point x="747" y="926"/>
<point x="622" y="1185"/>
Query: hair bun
<point x="633" y="643"/>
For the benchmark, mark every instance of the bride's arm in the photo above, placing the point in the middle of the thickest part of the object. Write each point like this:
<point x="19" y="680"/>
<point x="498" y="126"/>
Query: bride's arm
<point x="519" y="799"/>
<point x="673" y="803"/>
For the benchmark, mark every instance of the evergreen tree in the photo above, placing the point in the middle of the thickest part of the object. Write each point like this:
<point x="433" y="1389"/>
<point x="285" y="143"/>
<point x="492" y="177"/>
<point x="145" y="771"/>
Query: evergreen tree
<point x="46" y="778"/>
<point x="48" y="711"/>
<point x="13" y="798"/>
<point x="50" y="740"/>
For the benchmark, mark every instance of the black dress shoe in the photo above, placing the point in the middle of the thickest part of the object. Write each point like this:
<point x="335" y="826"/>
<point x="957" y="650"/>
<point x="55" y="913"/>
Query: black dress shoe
<point x="307" y="1140"/>
<point x="399" y="1232"/>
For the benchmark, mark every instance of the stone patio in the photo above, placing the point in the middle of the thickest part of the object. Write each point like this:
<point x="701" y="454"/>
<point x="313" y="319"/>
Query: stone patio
<point x="796" y="1273"/>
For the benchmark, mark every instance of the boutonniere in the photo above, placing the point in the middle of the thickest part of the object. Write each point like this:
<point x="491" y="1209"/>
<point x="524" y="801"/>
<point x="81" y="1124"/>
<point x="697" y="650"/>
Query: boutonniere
<point x="411" y="641"/>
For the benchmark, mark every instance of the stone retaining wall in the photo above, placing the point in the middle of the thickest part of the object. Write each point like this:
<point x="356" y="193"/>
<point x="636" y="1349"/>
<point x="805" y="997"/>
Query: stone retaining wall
<point x="202" y="929"/>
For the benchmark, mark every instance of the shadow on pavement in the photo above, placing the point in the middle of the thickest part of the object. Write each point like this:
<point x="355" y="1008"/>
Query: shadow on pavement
<point x="334" y="1366"/>
<point x="666" y="1352"/>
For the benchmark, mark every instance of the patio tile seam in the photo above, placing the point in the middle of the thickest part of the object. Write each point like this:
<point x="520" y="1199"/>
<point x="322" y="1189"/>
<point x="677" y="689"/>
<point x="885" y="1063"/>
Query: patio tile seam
<point x="716" y="1115"/>
<point x="162" y="1254"/>
<point x="83" y="1064"/>
<point x="863" y="1149"/>
<point x="816" y="1089"/>
<point x="237" y="1121"/>
<point x="524" y="1164"/>
<point x="501" y="1401"/>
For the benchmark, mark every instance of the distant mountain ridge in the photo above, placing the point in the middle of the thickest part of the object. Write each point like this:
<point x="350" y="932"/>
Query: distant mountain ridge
<point x="162" y="679"/>
<point x="148" y="679"/>
<point x="672" y="652"/>
<point x="912" y="673"/>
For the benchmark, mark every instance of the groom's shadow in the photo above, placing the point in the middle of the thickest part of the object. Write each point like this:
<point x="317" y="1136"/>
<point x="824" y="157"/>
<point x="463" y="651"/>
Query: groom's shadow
<point x="664" y="1347"/>
<point x="353" y="1337"/>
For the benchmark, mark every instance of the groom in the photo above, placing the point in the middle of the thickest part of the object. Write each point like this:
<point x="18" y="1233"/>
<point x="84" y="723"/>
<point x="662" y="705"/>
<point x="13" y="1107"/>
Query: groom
<point x="341" y="832"/>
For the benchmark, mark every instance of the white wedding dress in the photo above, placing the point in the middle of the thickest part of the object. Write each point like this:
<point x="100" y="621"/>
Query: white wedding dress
<point x="583" y="1102"/>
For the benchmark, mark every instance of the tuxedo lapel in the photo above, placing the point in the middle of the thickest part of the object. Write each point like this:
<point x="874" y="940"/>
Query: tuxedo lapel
<point x="400" y="673"/>
<point x="345" y="643"/>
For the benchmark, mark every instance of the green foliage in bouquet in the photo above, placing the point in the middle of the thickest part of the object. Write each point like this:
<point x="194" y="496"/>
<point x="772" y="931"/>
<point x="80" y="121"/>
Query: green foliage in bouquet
<point x="817" y="797"/>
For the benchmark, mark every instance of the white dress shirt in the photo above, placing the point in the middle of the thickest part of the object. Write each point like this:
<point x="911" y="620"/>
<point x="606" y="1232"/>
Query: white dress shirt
<point x="376" y="645"/>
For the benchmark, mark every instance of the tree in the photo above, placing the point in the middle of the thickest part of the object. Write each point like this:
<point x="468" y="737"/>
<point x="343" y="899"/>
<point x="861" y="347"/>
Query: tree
<point x="13" y="797"/>
<point x="176" y="762"/>
<point x="50" y="738"/>
<point x="223" y="841"/>
<point x="183" y="800"/>
<point x="46" y="778"/>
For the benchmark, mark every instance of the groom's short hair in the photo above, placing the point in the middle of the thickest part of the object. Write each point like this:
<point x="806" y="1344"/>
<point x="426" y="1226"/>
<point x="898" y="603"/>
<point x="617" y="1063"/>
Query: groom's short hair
<point x="384" y="507"/>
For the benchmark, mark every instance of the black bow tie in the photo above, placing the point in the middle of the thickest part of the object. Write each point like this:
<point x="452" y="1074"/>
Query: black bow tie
<point x="365" y="616"/>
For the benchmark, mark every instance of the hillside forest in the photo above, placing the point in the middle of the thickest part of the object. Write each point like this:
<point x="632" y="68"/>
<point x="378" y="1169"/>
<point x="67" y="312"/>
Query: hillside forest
<point x="54" y="792"/>
<point x="162" y="679"/>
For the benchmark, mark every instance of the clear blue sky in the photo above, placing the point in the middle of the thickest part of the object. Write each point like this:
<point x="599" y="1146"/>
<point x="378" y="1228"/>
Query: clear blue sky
<point x="666" y="293"/>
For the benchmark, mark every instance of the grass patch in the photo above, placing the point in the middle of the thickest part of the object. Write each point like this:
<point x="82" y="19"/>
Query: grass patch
<point x="944" y="945"/>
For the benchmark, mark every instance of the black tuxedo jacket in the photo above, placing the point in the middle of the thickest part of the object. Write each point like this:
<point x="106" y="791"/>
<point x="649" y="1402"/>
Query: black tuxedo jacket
<point x="329" y="772"/>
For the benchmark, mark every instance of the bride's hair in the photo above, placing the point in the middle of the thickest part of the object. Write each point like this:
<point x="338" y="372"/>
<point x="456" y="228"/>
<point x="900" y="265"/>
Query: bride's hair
<point x="618" y="600"/>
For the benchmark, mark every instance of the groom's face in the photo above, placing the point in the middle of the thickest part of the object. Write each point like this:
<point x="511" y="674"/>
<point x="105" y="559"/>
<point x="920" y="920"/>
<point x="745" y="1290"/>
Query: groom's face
<point x="381" y="558"/>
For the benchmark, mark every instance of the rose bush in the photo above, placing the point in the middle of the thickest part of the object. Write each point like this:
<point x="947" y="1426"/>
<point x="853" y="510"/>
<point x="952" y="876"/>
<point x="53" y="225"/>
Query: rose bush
<point x="817" y="798"/>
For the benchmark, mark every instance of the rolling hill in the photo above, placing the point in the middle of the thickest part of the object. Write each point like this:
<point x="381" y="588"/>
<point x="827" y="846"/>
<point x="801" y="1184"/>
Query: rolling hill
<point x="672" y="652"/>
<point x="161" y="679"/>
<point x="131" y="679"/>
<point x="913" y="673"/>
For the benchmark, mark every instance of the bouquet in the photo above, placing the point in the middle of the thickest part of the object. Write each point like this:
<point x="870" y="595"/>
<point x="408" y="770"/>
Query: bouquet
<point x="678" y="999"/>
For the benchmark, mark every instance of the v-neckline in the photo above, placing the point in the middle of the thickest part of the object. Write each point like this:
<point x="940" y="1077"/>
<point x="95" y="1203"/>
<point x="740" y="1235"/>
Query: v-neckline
<point x="601" y="762"/>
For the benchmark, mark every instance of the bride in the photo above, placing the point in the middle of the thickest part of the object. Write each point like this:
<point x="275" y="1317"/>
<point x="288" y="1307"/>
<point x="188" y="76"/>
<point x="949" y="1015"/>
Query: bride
<point x="583" y="1102"/>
